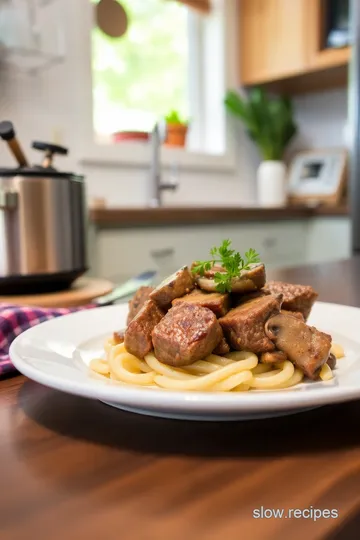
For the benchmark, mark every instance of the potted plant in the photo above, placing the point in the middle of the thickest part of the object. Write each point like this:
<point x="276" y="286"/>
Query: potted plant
<point x="270" y="124"/>
<point x="176" y="129"/>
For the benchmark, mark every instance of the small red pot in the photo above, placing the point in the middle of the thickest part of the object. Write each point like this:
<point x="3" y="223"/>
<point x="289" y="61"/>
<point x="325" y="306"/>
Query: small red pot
<point x="122" y="136"/>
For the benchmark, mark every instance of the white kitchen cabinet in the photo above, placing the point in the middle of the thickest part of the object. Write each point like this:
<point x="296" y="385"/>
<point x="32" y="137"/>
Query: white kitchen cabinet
<point x="328" y="239"/>
<point x="119" y="253"/>
<point x="122" y="253"/>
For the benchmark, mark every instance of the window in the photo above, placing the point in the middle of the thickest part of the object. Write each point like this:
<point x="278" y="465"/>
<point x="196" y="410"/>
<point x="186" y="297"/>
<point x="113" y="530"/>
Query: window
<point x="143" y="75"/>
<point x="171" y="57"/>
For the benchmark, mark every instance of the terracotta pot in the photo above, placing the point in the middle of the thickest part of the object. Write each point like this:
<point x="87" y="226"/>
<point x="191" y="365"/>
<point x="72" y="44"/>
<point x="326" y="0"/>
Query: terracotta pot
<point x="176" y="134"/>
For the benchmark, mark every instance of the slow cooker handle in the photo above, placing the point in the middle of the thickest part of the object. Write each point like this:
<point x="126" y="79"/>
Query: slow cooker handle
<point x="7" y="133"/>
<point x="49" y="149"/>
<point x="8" y="200"/>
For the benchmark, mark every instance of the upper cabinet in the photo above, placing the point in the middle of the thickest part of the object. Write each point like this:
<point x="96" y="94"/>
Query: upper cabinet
<point x="328" y="24"/>
<point x="294" y="45"/>
<point x="272" y="39"/>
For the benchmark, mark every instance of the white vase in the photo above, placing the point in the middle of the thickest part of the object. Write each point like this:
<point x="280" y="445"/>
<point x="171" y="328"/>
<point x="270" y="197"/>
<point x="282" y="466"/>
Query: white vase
<point x="271" y="183"/>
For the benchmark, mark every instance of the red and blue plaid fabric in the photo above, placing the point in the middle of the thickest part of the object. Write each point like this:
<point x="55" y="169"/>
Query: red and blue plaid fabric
<point x="16" y="319"/>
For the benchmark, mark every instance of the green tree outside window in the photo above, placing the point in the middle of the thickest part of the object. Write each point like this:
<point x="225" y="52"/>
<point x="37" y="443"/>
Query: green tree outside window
<point x="144" y="74"/>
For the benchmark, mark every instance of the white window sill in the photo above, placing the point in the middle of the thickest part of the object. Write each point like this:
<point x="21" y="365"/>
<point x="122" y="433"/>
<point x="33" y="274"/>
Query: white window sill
<point x="138" y="155"/>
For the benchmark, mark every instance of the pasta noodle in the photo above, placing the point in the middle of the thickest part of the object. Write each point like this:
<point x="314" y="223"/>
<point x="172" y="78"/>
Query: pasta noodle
<point x="238" y="371"/>
<point x="273" y="379"/>
<point x="326" y="373"/>
<point x="337" y="350"/>
<point x="101" y="366"/>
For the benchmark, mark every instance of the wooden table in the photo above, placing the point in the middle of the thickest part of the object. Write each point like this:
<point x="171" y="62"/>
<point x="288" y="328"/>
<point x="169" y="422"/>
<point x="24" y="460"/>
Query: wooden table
<point x="73" y="468"/>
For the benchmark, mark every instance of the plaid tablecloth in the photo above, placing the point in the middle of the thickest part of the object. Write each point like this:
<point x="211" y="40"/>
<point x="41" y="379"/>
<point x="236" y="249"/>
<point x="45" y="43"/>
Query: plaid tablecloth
<point x="16" y="319"/>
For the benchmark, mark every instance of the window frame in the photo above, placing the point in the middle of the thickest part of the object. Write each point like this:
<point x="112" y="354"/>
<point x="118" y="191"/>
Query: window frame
<point x="222" y="21"/>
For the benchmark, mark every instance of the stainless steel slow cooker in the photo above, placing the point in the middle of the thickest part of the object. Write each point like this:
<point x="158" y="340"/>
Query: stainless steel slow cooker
<point x="42" y="222"/>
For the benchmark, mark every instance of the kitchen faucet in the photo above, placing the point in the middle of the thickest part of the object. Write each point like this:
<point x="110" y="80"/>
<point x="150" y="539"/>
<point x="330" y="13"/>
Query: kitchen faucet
<point x="156" y="185"/>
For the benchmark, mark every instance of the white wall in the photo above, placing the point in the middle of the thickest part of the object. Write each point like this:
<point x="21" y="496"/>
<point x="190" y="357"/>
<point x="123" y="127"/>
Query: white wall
<point x="321" y="119"/>
<point x="45" y="106"/>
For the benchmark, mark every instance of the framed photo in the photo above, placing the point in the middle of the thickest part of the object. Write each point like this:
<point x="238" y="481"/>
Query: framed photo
<point x="318" y="177"/>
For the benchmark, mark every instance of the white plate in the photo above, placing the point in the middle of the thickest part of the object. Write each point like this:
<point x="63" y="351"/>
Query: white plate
<point x="57" y="354"/>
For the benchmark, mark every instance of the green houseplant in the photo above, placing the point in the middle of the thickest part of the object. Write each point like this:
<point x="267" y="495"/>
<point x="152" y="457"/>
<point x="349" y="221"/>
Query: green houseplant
<point x="176" y="130"/>
<point x="270" y="124"/>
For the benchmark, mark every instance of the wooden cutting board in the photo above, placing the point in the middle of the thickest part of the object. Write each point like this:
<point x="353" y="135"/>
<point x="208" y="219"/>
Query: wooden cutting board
<point x="82" y="292"/>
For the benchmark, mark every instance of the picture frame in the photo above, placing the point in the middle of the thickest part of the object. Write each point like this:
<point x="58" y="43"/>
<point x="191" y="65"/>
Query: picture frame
<point x="318" y="177"/>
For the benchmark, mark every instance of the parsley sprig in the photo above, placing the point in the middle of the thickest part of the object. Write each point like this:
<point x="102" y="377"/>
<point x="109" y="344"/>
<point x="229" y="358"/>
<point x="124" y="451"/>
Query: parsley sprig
<point x="231" y="261"/>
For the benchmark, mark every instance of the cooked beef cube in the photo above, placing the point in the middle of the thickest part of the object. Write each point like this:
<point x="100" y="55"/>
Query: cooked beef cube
<point x="238" y="298"/>
<point x="138" y="333"/>
<point x="304" y="345"/>
<point x="187" y="333"/>
<point x="119" y="337"/>
<point x="249" y="280"/>
<point x="331" y="361"/>
<point x="178" y="284"/>
<point x="296" y="297"/>
<point x="273" y="357"/>
<point x="243" y="326"/>
<point x="296" y="314"/>
<point x="218" y="303"/>
<point x="222" y="348"/>
<point x="137" y="302"/>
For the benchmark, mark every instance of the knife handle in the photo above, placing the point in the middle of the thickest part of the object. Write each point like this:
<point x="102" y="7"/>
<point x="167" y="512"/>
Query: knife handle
<point x="126" y="289"/>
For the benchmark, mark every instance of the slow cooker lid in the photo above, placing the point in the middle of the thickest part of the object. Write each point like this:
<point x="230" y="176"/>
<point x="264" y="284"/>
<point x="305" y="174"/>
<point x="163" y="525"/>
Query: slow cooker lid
<point x="38" y="170"/>
<point x="46" y="169"/>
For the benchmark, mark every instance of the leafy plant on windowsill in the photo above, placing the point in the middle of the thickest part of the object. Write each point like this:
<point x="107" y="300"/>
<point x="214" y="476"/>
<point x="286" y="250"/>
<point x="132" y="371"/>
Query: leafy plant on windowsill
<point x="269" y="121"/>
<point x="174" y="118"/>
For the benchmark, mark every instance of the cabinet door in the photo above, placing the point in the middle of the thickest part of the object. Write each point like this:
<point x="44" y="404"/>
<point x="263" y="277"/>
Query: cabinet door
<point x="321" y="57"/>
<point x="272" y="39"/>
<point x="280" y="244"/>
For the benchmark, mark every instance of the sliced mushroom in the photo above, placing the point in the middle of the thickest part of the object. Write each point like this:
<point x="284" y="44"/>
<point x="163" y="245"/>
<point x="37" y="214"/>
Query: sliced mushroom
<point x="331" y="361"/>
<point x="248" y="281"/>
<point x="304" y="345"/>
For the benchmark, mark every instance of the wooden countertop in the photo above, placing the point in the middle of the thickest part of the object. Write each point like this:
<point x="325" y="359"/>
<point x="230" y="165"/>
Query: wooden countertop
<point x="75" y="468"/>
<point x="109" y="217"/>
